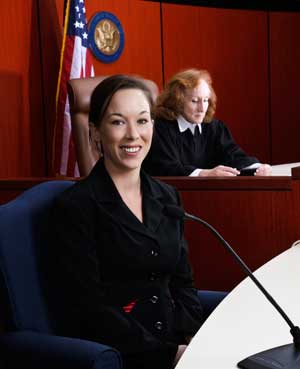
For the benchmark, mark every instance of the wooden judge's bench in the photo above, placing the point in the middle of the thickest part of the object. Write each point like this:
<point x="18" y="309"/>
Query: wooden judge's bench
<point x="258" y="216"/>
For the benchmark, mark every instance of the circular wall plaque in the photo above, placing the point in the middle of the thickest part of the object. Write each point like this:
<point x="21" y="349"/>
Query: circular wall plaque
<point x="106" y="37"/>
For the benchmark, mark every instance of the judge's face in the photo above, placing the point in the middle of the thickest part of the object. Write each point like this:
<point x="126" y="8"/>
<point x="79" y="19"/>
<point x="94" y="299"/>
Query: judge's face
<point x="196" y="102"/>
<point x="126" y="130"/>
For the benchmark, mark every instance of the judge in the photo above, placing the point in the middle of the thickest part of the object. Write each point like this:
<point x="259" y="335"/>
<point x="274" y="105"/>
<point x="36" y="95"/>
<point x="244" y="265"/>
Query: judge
<point x="188" y="141"/>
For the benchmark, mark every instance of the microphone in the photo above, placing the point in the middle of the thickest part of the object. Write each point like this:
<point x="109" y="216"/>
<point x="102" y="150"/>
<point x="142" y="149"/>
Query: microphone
<point x="286" y="356"/>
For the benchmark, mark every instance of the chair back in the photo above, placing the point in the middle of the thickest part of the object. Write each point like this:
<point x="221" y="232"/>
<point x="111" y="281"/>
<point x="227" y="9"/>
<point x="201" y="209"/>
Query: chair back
<point x="24" y="230"/>
<point x="79" y="93"/>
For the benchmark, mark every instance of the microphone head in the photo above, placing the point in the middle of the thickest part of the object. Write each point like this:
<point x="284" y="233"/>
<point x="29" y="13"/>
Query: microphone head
<point x="174" y="211"/>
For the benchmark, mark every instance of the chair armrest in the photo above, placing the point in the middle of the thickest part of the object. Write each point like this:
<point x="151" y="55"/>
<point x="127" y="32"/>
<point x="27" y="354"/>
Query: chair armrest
<point x="26" y="349"/>
<point x="210" y="300"/>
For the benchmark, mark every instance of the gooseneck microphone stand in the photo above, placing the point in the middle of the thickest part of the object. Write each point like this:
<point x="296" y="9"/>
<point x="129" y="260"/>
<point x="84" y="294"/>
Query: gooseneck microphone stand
<point x="282" y="357"/>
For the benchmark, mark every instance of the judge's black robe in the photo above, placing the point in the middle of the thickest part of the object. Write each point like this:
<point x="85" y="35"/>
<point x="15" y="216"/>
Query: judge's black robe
<point x="175" y="153"/>
<point x="124" y="283"/>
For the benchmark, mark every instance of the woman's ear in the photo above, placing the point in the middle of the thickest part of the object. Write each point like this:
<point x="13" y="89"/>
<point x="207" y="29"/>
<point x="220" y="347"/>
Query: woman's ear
<point x="94" y="137"/>
<point x="94" y="133"/>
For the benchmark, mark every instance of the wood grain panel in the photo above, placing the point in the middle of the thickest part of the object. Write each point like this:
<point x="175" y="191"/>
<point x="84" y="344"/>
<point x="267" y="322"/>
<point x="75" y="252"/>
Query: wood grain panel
<point x="254" y="223"/>
<point x="232" y="45"/>
<point x="141" y="24"/>
<point x="141" y="55"/>
<point x="285" y="82"/>
<point x="51" y="32"/>
<point x="10" y="188"/>
<point x="22" y="125"/>
<point x="259" y="217"/>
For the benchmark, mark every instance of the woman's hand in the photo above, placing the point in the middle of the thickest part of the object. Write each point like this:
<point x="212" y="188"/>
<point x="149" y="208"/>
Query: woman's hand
<point x="219" y="171"/>
<point x="264" y="170"/>
<point x="180" y="351"/>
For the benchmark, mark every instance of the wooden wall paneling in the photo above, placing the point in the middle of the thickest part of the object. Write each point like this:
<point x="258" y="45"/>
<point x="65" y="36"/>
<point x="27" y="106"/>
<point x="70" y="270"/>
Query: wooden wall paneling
<point x="10" y="188"/>
<point x="37" y="122"/>
<point x="258" y="220"/>
<point x="141" y="55"/>
<point x="141" y="24"/>
<point x="259" y="217"/>
<point x="232" y="45"/>
<point x="22" y="125"/>
<point x="285" y="82"/>
<point x="11" y="112"/>
<point x="51" y="33"/>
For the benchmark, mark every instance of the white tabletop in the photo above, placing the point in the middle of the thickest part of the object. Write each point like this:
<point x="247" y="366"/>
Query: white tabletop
<point x="283" y="169"/>
<point x="245" y="322"/>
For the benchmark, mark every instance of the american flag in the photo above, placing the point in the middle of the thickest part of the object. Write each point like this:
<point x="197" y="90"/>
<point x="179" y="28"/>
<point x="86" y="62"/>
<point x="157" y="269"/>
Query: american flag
<point x="75" y="62"/>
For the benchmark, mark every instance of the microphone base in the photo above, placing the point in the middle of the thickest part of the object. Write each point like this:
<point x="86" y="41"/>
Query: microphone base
<point x="282" y="357"/>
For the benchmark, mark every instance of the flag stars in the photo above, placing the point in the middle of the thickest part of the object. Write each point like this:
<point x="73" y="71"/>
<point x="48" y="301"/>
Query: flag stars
<point x="79" y="21"/>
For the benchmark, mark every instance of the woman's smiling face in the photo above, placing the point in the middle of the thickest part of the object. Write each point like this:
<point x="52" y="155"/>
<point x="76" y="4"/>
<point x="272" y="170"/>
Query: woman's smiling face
<point x="126" y="130"/>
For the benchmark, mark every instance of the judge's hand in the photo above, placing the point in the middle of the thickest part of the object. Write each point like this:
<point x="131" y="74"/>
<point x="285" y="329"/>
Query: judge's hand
<point x="180" y="351"/>
<point x="219" y="171"/>
<point x="264" y="170"/>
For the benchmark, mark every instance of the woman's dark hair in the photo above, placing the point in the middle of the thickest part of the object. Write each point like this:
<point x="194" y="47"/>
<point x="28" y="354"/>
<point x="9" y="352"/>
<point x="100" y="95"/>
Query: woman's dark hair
<point x="105" y="90"/>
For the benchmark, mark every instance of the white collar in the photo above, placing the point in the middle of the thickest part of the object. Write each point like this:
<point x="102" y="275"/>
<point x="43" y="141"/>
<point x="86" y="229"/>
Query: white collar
<point x="183" y="125"/>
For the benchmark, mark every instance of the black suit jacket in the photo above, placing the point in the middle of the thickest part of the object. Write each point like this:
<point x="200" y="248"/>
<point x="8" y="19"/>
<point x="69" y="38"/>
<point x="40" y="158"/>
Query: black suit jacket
<point x="175" y="153"/>
<point x="106" y="259"/>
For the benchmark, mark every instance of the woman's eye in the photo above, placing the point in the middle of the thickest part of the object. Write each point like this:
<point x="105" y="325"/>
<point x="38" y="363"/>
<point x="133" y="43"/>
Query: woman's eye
<point x="142" y="121"/>
<point x="117" y="122"/>
<point x="194" y="101"/>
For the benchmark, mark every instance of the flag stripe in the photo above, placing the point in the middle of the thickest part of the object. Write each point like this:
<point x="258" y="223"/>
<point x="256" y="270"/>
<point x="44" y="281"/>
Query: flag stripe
<point x="76" y="62"/>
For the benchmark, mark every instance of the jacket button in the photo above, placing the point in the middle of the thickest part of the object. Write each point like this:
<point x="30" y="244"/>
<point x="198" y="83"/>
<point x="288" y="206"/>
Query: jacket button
<point x="154" y="299"/>
<point x="154" y="253"/>
<point x="158" y="326"/>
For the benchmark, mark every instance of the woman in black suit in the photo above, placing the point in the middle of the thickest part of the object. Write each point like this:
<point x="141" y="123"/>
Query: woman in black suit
<point x="187" y="140"/>
<point x="122" y="261"/>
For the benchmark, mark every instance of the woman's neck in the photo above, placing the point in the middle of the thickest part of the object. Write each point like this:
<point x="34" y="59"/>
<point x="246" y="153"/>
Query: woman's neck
<point x="128" y="184"/>
<point x="129" y="188"/>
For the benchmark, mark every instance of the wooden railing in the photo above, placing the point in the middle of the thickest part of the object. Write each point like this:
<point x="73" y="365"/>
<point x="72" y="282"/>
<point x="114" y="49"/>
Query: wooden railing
<point x="258" y="216"/>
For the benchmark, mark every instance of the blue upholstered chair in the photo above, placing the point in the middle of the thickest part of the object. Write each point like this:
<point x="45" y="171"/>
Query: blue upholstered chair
<point x="29" y="339"/>
<point x="31" y="342"/>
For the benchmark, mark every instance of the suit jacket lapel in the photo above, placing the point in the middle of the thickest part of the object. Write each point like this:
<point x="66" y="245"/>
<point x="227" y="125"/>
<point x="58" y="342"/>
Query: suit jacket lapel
<point x="107" y="196"/>
<point x="152" y="203"/>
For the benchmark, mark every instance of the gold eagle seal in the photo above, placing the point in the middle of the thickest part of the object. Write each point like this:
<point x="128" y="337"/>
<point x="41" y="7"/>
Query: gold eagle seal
<point x="106" y="37"/>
